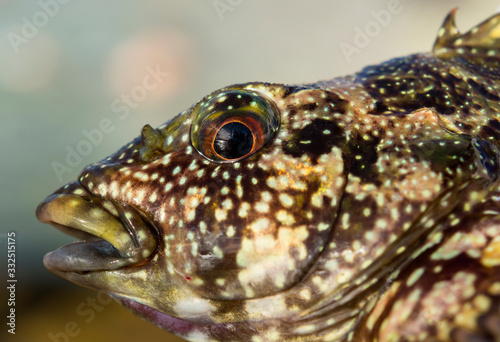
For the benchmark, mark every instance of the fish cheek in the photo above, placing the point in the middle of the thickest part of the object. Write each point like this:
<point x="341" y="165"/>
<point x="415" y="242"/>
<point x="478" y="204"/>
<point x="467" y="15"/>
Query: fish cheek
<point x="279" y="248"/>
<point x="259" y="230"/>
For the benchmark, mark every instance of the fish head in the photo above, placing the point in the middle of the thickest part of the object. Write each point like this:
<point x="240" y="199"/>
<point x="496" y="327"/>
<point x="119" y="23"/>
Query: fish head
<point x="268" y="212"/>
<point x="223" y="204"/>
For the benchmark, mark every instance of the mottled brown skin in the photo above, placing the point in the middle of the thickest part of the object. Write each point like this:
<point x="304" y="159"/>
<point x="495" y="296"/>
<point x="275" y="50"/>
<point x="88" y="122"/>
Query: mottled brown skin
<point x="371" y="213"/>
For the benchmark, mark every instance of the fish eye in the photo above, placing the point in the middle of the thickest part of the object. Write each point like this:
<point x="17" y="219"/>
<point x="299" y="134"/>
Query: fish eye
<point x="232" y="125"/>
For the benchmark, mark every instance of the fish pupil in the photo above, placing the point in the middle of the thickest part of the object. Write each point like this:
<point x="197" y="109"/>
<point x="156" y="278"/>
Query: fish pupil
<point x="233" y="140"/>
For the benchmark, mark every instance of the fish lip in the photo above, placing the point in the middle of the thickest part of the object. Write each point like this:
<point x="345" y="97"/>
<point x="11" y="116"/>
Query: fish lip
<point x="109" y="240"/>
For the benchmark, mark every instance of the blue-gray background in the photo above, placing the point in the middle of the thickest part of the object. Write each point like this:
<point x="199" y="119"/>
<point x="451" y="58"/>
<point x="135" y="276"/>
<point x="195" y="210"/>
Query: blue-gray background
<point x="62" y="67"/>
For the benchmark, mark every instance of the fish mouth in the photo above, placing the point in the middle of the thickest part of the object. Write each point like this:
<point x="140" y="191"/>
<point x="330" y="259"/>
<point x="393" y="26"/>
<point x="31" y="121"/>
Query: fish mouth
<point x="113" y="235"/>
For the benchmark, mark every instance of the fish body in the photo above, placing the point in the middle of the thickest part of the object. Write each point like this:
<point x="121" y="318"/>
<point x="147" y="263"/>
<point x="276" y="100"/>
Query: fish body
<point x="363" y="208"/>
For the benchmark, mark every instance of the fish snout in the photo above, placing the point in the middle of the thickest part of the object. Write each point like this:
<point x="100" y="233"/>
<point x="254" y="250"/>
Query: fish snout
<point x="113" y="235"/>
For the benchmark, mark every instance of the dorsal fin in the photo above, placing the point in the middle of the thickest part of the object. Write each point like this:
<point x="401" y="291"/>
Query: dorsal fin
<point x="481" y="41"/>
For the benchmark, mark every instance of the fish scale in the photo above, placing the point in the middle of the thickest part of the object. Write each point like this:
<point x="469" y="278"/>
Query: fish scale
<point x="363" y="208"/>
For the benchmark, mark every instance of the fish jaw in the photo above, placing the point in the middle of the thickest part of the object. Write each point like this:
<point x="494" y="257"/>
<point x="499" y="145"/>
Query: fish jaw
<point x="116" y="245"/>
<point x="175" y="325"/>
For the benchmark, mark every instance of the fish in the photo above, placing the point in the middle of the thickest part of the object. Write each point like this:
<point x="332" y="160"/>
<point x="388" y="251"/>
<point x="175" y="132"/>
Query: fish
<point x="361" y="208"/>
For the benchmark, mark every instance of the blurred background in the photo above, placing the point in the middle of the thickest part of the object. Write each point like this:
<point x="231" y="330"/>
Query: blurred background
<point x="65" y="66"/>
